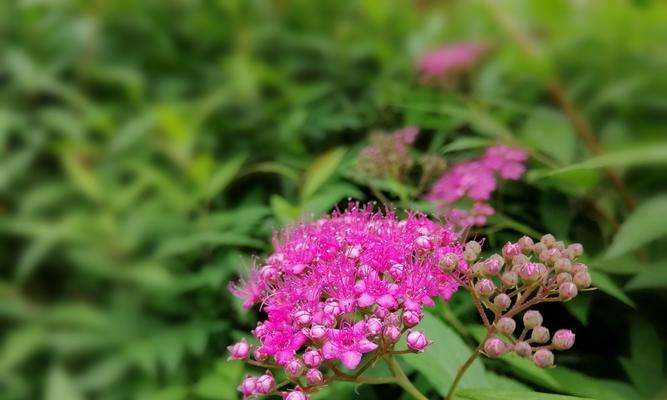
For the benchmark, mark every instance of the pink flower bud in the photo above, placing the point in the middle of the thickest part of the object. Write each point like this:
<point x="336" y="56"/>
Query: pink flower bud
<point x="563" y="277"/>
<point x="268" y="272"/>
<point x="294" y="368"/>
<point x="411" y="318"/>
<point x="523" y="349"/>
<point x="550" y="256"/>
<point x="247" y="387"/>
<point x="332" y="307"/>
<point x="314" y="376"/>
<point x="502" y="301"/>
<point x="449" y="262"/>
<point x="302" y="317"/>
<point x="312" y="358"/>
<point x="526" y="244"/>
<point x="373" y="326"/>
<point x="563" y="265"/>
<point x="396" y="271"/>
<point x="510" y="250"/>
<point x="387" y="301"/>
<point x="469" y="256"/>
<point x="391" y="334"/>
<point x="563" y="339"/>
<point x="582" y="279"/>
<point x="353" y="252"/>
<point x="506" y="325"/>
<point x="540" y="334"/>
<point x="520" y="260"/>
<point x="295" y="269"/>
<point x="424" y="243"/>
<point x="317" y="332"/>
<point x="579" y="267"/>
<point x="261" y="354"/>
<point x="548" y="240"/>
<point x="474" y="247"/>
<point x="239" y="351"/>
<point x="494" y="347"/>
<point x="265" y="383"/>
<point x="529" y="272"/>
<point x="297" y="394"/>
<point x="543" y="358"/>
<point x="485" y="287"/>
<point x="539" y="248"/>
<point x="567" y="290"/>
<point x="416" y="340"/>
<point x="509" y="279"/>
<point x="491" y="266"/>
<point x="532" y="319"/>
<point x="576" y="248"/>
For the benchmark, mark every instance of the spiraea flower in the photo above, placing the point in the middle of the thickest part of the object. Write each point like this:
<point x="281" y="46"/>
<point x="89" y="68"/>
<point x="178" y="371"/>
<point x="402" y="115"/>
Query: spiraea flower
<point x="473" y="182"/>
<point x="388" y="154"/>
<point x="343" y="286"/>
<point x="450" y="60"/>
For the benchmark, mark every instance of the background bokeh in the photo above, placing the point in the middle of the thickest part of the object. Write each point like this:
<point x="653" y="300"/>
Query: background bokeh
<point x="149" y="148"/>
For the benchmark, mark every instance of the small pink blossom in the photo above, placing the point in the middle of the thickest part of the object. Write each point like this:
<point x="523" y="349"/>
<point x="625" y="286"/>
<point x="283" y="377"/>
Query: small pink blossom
<point x="239" y="351"/>
<point x="416" y="340"/>
<point x="450" y="60"/>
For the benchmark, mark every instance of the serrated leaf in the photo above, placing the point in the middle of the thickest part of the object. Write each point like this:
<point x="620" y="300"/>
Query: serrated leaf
<point x="645" y="224"/>
<point x="320" y="171"/>
<point x="652" y="276"/>
<point x="607" y="285"/>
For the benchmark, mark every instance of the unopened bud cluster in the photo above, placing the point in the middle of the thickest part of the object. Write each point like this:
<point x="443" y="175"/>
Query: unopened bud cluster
<point x="511" y="283"/>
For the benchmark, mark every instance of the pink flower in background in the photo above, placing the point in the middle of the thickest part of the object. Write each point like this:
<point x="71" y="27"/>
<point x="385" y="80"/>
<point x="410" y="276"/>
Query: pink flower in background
<point x="506" y="160"/>
<point x="450" y="60"/>
<point x="387" y="154"/>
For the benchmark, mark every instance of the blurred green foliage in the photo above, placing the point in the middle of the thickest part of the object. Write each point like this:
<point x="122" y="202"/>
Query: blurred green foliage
<point x="147" y="148"/>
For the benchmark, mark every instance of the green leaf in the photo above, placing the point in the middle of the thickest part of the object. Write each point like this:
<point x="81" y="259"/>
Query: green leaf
<point x="527" y="370"/>
<point x="576" y="383"/>
<point x="447" y="353"/>
<point x="283" y="210"/>
<point x="653" y="276"/>
<point x="603" y="282"/>
<point x="465" y="143"/>
<point x="645" y="365"/>
<point x="223" y="176"/>
<point x="644" y="225"/>
<point x="551" y="133"/>
<point x="320" y="171"/>
<point x="59" y="386"/>
<point x="493" y="394"/>
<point x="556" y="213"/>
<point x="221" y="383"/>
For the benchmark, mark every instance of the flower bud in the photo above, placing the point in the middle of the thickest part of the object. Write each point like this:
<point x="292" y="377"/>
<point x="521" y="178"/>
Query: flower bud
<point x="582" y="279"/>
<point x="532" y="319"/>
<point x="539" y="247"/>
<point x="297" y="394"/>
<point x="353" y="252"/>
<point x="478" y="269"/>
<point x="261" y="354"/>
<point x="509" y="279"/>
<point x="448" y="262"/>
<point x="579" y="267"/>
<point x="548" y="240"/>
<point x="268" y="272"/>
<point x="494" y="347"/>
<point x="314" y="376"/>
<point x="239" y="351"/>
<point x="416" y="340"/>
<point x="424" y="243"/>
<point x="391" y="334"/>
<point x="265" y="383"/>
<point x="506" y="325"/>
<point x="511" y="250"/>
<point x="397" y="271"/>
<point x="332" y="307"/>
<point x="474" y="247"/>
<point x="567" y="290"/>
<point x="526" y="244"/>
<point x="540" y="334"/>
<point x="247" y="387"/>
<point x="530" y="272"/>
<point x="411" y="318"/>
<point x="302" y="317"/>
<point x="549" y="256"/>
<point x="563" y="265"/>
<point x="523" y="349"/>
<point x="502" y="301"/>
<point x="543" y="358"/>
<point x="563" y="339"/>
<point x="294" y="368"/>
<point x="491" y="266"/>
<point x="469" y="256"/>
<point x="485" y="287"/>
<point x="312" y="358"/>
<point x="563" y="277"/>
<point x="577" y="249"/>
<point x="317" y="332"/>
<point x="373" y="326"/>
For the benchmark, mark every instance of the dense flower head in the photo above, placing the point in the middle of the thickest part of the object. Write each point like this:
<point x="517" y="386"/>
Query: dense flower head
<point x="347" y="284"/>
<point x="450" y="60"/>
<point x="388" y="154"/>
<point x="474" y="181"/>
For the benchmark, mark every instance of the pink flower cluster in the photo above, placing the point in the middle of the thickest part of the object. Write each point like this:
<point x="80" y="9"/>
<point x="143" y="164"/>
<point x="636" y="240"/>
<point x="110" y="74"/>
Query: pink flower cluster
<point x="388" y="154"/>
<point x="475" y="181"/>
<point x="343" y="286"/>
<point x="450" y="60"/>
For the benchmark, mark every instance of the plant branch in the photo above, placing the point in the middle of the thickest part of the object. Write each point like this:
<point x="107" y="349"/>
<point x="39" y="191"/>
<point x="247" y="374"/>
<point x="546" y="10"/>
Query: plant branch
<point x="402" y="380"/>
<point x="463" y="368"/>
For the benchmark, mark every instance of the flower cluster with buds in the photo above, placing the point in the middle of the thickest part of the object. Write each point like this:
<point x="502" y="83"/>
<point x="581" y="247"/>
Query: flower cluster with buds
<point x="388" y="154"/>
<point x="343" y="286"/>
<point x="450" y="61"/>
<point x="475" y="181"/>
<point x="510" y="284"/>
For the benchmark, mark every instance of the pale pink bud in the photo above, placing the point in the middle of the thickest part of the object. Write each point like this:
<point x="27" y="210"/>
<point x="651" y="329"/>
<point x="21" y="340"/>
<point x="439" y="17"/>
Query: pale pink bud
<point x="312" y="358"/>
<point x="510" y="250"/>
<point x="563" y="277"/>
<point x="265" y="383"/>
<point x="332" y="307"/>
<point x="502" y="301"/>
<point x="485" y="287"/>
<point x="579" y="267"/>
<point x="317" y="332"/>
<point x="314" y="376"/>
<point x="494" y="347"/>
<point x="509" y="279"/>
<point x="582" y="280"/>
<point x="538" y="248"/>
<point x="294" y="368"/>
<point x="526" y="243"/>
<point x="239" y="351"/>
<point x="396" y="271"/>
<point x="296" y="269"/>
<point x="530" y="272"/>
<point x="261" y="354"/>
<point x="411" y="318"/>
<point x="416" y="340"/>
<point x="548" y="240"/>
<point x="373" y="326"/>
<point x="523" y="349"/>
<point x="491" y="266"/>
<point x="391" y="334"/>
<point x="449" y="262"/>
<point x="469" y="256"/>
<point x="474" y="247"/>
<point x="302" y="317"/>
<point x="577" y="249"/>
<point x="353" y="252"/>
<point x="297" y="394"/>
<point x="520" y="260"/>
<point x="424" y="243"/>
<point x="506" y="325"/>
<point x="543" y="358"/>
<point x="563" y="339"/>
<point x="563" y="265"/>
<point x="540" y="334"/>
<point x="567" y="290"/>
<point x="532" y="319"/>
<point x="268" y="272"/>
<point x="247" y="387"/>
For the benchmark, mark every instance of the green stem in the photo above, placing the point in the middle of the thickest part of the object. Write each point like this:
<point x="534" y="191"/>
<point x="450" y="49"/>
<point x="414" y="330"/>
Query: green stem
<point x="463" y="368"/>
<point x="402" y="380"/>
